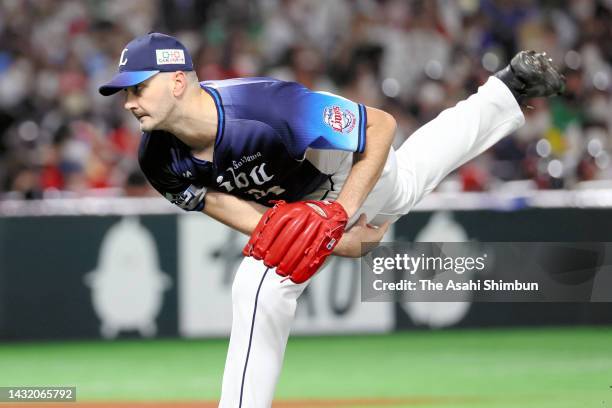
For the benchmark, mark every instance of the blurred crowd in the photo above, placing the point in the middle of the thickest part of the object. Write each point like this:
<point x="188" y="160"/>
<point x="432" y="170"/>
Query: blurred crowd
<point x="59" y="137"/>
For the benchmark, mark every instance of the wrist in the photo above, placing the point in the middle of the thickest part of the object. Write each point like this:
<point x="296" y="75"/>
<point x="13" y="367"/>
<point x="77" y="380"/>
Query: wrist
<point x="348" y="209"/>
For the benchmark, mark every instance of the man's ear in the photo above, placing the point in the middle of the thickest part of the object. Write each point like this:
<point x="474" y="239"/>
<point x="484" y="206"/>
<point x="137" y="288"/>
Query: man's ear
<point x="179" y="81"/>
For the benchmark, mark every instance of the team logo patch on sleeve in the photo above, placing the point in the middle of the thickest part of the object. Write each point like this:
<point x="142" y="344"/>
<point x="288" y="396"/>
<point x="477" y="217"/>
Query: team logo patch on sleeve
<point x="340" y="120"/>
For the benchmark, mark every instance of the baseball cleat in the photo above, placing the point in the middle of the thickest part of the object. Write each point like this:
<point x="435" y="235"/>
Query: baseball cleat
<point x="531" y="74"/>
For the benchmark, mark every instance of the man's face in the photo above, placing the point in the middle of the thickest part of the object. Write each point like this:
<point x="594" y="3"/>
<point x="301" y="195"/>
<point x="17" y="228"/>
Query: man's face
<point x="150" y="102"/>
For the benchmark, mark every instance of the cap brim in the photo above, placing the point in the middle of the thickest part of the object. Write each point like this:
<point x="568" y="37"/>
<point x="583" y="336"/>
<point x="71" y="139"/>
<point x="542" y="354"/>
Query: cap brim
<point x="125" y="80"/>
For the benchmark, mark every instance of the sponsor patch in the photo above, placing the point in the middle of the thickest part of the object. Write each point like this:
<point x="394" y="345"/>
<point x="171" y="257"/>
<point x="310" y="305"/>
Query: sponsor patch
<point x="170" y="57"/>
<point x="340" y="120"/>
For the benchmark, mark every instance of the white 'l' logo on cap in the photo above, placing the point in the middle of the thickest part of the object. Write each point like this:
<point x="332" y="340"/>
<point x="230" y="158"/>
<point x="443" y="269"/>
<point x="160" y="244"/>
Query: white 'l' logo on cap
<point x="121" y="60"/>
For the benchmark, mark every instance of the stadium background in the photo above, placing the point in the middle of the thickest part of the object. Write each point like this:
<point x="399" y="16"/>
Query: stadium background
<point x="92" y="263"/>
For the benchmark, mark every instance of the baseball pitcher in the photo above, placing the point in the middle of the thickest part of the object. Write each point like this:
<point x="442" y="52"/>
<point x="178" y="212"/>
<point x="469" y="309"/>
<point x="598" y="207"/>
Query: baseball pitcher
<point x="305" y="174"/>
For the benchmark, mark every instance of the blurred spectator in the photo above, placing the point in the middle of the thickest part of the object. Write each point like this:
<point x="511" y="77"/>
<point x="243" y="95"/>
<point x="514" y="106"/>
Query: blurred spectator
<point x="58" y="137"/>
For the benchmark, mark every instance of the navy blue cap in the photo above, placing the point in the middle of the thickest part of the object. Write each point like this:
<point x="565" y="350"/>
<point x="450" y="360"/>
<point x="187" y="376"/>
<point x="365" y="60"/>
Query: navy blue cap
<point x="146" y="56"/>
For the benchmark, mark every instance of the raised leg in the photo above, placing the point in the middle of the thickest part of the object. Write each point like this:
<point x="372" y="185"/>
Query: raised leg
<point x="456" y="136"/>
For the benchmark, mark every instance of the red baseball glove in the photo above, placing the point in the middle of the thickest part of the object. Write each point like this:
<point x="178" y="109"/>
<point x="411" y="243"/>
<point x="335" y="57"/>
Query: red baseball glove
<point x="296" y="238"/>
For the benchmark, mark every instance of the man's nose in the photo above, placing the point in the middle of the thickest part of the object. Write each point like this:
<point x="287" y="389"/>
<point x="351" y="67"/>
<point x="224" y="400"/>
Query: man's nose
<point x="130" y="101"/>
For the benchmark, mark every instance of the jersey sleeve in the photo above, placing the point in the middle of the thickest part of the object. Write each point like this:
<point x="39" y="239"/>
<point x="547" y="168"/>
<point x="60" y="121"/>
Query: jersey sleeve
<point x="169" y="173"/>
<point x="322" y="120"/>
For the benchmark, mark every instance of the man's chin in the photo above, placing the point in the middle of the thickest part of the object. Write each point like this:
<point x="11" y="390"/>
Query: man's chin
<point x="146" y="125"/>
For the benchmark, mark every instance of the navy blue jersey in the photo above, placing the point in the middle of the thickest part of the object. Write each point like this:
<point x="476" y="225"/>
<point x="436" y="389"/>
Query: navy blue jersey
<point x="265" y="127"/>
